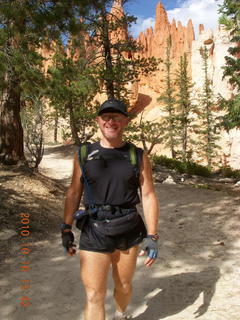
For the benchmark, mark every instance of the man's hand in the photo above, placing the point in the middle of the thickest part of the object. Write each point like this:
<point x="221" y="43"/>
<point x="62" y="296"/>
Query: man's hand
<point x="150" y="246"/>
<point x="68" y="242"/>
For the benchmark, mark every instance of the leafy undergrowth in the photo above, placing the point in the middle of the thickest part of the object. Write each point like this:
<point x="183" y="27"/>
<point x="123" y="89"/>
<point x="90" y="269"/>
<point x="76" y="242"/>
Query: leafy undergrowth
<point x="193" y="168"/>
<point x="182" y="167"/>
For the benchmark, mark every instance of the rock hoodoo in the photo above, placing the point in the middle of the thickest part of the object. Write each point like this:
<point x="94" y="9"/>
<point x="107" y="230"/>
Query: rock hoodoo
<point x="154" y="43"/>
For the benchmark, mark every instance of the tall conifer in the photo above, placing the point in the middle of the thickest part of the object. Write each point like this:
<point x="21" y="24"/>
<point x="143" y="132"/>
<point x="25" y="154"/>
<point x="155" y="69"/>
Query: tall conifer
<point x="207" y="132"/>
<point x="167" y="97"/>
<point x="185" y="109"/>
<point x="72" y="87"/>
<point x="117" y="61"/>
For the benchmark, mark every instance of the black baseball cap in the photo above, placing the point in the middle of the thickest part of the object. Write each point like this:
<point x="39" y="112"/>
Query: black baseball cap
<point x="113" y="105"/>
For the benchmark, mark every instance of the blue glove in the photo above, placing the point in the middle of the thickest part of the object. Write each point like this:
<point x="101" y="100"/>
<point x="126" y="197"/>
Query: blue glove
<point x="150" y="245"/>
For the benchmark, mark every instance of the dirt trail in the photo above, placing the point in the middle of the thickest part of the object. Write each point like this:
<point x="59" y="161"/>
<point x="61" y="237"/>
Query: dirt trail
<point x="196" y="276"/>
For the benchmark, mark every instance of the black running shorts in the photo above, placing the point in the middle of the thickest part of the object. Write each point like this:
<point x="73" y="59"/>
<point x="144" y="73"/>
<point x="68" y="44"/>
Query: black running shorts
<point x="92" y="240"/>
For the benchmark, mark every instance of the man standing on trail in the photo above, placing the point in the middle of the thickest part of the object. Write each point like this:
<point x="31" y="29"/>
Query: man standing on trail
<point x="110" y="172"/>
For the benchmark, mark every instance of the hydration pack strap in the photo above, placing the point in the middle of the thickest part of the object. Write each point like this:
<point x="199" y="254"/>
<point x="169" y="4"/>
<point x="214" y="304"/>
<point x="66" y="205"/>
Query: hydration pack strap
<point x="82" y="155"/>
<point x="135" y="159"/>
<point x="132" y="155"/>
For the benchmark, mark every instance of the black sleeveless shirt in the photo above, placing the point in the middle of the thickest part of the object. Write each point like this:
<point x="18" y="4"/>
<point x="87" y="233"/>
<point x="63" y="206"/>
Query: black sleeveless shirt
<point x="111" y="177"/>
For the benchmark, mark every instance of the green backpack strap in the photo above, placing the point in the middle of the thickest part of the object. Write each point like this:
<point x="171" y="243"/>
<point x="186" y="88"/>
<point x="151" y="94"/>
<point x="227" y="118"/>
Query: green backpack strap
<point x="133" y="155"/>
<point x="83" y="153"/>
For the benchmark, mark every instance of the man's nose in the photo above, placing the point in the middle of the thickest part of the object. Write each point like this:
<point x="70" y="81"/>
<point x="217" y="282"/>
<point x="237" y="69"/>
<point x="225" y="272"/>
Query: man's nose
<point x="111" y="119"/>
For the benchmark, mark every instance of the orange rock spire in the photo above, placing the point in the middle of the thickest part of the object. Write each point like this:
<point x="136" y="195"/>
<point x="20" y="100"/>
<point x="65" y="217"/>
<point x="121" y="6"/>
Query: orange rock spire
<point x="155" y="42"/>
<point x="161" y="19"/>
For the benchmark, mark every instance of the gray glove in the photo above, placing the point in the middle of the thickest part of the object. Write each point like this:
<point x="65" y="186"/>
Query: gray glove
<point x="150" y="245"/>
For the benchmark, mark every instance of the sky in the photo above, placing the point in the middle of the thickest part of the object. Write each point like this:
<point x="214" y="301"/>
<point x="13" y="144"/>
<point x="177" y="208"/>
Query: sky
<point x="200" y="11"/>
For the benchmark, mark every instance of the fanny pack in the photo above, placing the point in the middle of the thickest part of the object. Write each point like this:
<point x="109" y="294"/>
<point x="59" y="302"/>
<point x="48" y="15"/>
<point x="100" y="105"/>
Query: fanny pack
<point x="81" y="217"/>
<point x="116" y="226"/>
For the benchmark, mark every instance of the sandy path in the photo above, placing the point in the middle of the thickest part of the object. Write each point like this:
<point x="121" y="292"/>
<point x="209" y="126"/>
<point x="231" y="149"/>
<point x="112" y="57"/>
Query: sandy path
<point x="197" y="273"/>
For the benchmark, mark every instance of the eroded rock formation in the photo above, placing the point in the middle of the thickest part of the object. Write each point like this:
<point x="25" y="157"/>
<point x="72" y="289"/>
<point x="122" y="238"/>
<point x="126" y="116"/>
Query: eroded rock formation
<point x="154" y="43"/>
<point x="217" y="43"/>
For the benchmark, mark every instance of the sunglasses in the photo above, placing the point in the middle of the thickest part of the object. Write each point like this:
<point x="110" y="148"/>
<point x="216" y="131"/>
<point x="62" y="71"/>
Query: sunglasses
<point x="114" y="117"/>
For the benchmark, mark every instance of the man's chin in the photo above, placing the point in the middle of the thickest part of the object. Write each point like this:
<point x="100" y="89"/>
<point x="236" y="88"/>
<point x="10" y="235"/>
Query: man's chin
<point x="111" y="135"/>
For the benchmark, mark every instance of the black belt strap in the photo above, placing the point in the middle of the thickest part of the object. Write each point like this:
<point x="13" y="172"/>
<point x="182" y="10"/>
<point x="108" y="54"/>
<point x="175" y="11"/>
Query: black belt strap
<point x="109" y="207"/>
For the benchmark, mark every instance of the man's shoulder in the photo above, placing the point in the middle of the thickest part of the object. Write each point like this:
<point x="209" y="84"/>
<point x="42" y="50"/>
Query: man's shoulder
<point x="88" y="145"/>
<point x="85" y="149"/>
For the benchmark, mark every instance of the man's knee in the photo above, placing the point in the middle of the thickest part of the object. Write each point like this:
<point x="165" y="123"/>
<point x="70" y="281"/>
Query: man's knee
<point x="95" y="296"/>
<point x="124" y="287"/>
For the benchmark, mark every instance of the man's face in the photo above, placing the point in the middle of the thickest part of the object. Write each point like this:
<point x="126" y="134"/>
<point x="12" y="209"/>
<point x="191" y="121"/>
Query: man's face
<point x="112" y="124"/>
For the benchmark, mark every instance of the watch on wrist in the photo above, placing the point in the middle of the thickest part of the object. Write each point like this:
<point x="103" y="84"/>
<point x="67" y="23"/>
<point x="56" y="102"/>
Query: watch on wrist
<point x="65" y="226"/>
<point x="154" y="237"/>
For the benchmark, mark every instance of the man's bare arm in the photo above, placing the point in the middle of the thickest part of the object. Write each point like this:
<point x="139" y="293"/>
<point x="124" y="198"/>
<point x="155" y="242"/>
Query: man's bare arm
<point x="74" y="193"/>
<point x="149" y="199"/>
<point x="150" y="208"/>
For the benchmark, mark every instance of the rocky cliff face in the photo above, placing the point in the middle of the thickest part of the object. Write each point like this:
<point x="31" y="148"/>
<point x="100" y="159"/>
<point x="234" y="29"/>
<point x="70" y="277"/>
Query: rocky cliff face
<point x="154" y="43"/>
<point x="183" y="41"/>
<point x="217" y="43"/>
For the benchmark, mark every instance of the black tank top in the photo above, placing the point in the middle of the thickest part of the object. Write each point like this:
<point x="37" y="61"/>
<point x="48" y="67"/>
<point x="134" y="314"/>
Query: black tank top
<point x="111" y="177"/>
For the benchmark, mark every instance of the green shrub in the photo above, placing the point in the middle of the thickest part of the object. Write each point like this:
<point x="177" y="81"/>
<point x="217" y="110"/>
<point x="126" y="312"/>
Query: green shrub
<point x="228" y="172"/>
<point x="182" y="167"/>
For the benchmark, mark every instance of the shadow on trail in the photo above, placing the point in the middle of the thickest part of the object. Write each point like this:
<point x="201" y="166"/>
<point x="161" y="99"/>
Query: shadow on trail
<point x="197" y="236"/>
<point x="197" y="227"/>
<point x="179" y="292"/>
<point x="61" y="151"/>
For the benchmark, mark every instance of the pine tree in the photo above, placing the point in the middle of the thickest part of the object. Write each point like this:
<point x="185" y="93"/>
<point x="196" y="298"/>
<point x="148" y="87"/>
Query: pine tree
<point x="230" y="10"/>
<point x="72" y="87"/>
<point x="207" y="132"/>
<point x="167" y="97"/>
<point x="185" y="109"/>
<point x="25" y="27"/>
<point x="117" y="63"/>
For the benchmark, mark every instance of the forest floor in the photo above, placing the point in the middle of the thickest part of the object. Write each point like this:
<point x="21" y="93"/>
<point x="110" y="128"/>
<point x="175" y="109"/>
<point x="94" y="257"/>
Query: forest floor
<point x="196" y="275"/>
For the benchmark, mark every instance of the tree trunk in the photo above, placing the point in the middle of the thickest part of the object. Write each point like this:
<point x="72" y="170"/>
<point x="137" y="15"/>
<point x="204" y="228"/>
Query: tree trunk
<point x="184" y="139"/>
<point x="172" y="144"/>
<point x="73" y="126"/>
<point x="56" y="127"/>
<point x="11" y="131"/>
<point x="109" y="80"/>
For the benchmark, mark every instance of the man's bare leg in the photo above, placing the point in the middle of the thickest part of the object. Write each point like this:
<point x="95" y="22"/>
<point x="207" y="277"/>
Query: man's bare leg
<point x="124" y="265"/>
<point x="94" y="267"/>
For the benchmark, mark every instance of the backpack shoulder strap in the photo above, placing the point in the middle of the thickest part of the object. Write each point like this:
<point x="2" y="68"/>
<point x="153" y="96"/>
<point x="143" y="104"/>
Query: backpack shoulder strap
<point x="135" y="155"/>
<point x="83" y="153"/>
